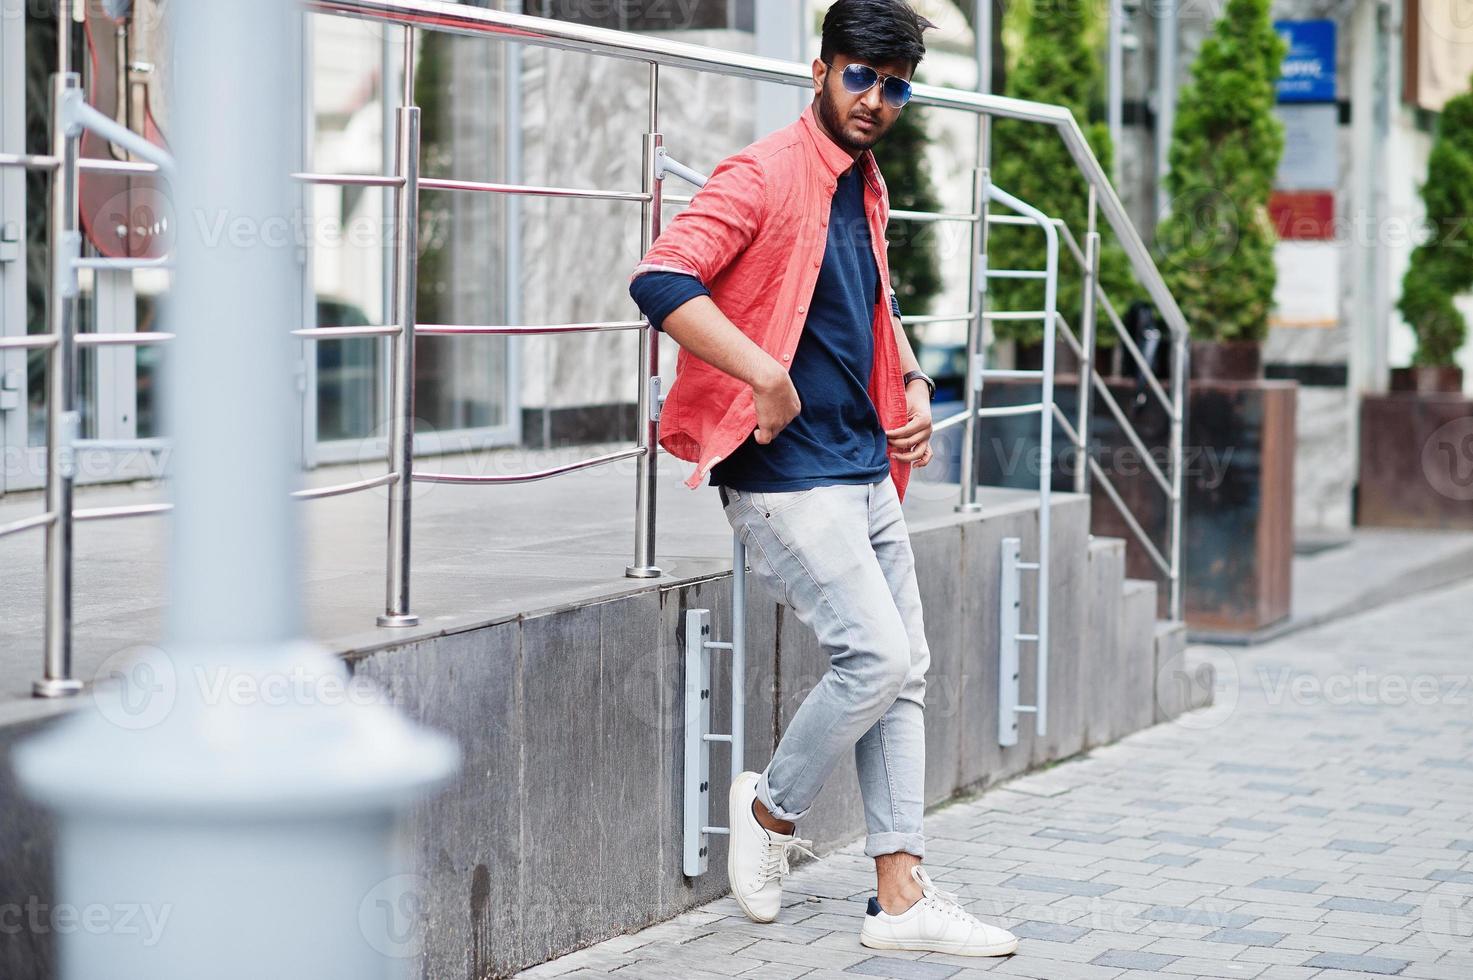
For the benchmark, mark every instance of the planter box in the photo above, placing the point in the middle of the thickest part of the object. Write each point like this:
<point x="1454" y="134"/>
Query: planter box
<point x="1238" y="543"/>
<point x="1416" y="461"/>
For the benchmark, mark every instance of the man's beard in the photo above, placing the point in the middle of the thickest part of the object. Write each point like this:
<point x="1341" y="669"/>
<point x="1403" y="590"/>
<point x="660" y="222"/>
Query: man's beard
<point x="828" y="112"/>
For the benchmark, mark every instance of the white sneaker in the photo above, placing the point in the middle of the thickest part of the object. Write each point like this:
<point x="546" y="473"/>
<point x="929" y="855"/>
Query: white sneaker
<point x="936" y="923"/>
<point x="756" y="858"/>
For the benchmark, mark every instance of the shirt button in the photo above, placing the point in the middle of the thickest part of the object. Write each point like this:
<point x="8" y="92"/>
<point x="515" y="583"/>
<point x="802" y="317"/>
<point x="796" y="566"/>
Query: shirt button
<point x="787" y="356"/>
<point x="802" y="309"/>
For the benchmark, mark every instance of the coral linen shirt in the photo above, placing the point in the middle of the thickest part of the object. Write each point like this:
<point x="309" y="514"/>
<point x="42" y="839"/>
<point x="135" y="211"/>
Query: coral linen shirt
<point x="755" y="236"/>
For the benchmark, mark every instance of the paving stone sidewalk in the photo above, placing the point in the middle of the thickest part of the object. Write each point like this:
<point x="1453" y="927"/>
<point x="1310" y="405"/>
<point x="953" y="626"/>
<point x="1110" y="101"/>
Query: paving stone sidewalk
<point x="1317" y="821"/>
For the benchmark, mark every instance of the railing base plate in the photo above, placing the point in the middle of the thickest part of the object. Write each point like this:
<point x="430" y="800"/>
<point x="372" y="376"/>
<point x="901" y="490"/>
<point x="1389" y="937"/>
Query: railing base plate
<point x="56" y="688"/>
<point x="642" y="571"/>
<point x="398" y="622"/>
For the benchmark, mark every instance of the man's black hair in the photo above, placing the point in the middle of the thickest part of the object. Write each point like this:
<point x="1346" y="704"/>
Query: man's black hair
<point x="875" y="32"/>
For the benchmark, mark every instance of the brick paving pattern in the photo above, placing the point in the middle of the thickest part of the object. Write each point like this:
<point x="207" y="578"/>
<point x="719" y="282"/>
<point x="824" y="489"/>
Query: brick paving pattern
<point x="1316" y="821"/>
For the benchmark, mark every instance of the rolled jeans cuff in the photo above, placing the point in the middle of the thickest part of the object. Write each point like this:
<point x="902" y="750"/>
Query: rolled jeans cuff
<point x="764" y="793"/>
<point x="894" y="842"/>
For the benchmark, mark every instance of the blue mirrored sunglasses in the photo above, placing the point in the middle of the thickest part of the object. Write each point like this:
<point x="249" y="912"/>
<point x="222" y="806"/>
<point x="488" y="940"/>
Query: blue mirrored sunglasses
<point x="859" y="79"/>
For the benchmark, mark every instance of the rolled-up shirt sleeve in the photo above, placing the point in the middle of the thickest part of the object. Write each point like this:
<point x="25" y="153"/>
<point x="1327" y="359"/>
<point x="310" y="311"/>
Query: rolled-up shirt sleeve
<point x="658" y="294"/>
<point x="720" y="222"/>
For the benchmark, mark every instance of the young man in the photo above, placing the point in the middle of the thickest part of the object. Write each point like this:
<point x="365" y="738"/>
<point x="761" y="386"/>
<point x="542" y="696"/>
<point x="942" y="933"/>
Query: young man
<point x="798" y="392"/>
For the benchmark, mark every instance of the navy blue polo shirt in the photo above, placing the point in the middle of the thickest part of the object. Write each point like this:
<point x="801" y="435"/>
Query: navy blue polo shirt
<point x="837" y="436"/>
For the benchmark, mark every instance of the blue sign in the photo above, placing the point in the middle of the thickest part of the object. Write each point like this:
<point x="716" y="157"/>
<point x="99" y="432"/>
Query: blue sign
<point x="1308" y="72"/>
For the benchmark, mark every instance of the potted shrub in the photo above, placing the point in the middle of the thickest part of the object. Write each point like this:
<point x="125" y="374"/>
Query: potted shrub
<point x="1216" y="252"/>
<point x="1442" y="266"/>
<point x="1416" y="442"/>
<point x="1216" y="245"/>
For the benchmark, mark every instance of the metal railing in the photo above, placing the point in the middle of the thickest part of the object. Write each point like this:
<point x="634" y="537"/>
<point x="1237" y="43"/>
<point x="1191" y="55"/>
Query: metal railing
<point x="70" y="113"/>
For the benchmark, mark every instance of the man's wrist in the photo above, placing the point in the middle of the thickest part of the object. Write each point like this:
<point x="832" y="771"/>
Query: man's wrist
<point x="913" y="376"/>
<point x="770" y="376"/>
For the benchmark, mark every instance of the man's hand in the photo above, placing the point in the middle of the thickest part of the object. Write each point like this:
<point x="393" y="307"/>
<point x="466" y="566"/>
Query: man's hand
<point x="911" y="442"/>
<point x="777" y="402"/>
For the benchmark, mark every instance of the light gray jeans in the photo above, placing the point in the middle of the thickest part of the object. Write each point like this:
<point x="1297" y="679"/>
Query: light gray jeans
<point x="839" y="556"/>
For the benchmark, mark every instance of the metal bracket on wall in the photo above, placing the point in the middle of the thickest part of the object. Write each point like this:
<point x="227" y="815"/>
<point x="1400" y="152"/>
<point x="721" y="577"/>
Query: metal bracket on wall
<point x="698" y="734"/>
<point x="1010" y="605"/>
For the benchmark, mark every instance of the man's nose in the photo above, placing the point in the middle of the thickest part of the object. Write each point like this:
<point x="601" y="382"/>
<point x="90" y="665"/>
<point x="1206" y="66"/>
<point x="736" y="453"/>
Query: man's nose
<point x="873" y="100"/>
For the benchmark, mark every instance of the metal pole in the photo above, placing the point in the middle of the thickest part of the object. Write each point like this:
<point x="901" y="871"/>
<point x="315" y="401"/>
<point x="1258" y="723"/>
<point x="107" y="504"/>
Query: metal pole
<point x="647" y="468"/>
<point x="1114" y="85"/>
<point x="1087" y="341"/>
<point x="63" y="421"/>
<point x="236" y="783"/>
<point x="976" y="337"/>
<point x="1180" y="358"/>
<point x="1166" y="40"/>
<point x="511" y="101"/>
<point x="1045" y="476"/>
<point x="738" y="656"/>
<point x="401" y="390"/>
<point x="982" y="37"/>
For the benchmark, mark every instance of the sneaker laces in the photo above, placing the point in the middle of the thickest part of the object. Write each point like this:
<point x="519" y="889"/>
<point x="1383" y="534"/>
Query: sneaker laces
<point x="943" y="901"/>
<point x="775" y="855"/>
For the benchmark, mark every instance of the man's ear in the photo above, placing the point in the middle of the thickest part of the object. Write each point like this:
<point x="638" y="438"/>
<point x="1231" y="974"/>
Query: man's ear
<point x="820" y="70"/>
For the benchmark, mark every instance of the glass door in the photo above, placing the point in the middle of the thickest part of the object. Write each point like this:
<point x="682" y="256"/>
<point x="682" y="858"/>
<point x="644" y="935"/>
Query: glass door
<point x="463" y="390"/>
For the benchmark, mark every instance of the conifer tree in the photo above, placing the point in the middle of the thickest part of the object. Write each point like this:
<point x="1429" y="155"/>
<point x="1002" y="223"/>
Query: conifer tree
<point x="1217" y="243"/>
<point x="1442" y="266"/>
<point x="1056" y="64"/>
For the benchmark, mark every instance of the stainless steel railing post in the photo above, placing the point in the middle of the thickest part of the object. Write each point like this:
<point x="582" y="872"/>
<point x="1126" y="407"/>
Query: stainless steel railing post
<point x="646" y="467"/>
<point x="401" y="388"/>
<point x="1180" y="361"/>
<point x="1087" y="345"/>
<point x="63" y="421"/>
<point x="976" y="339"/>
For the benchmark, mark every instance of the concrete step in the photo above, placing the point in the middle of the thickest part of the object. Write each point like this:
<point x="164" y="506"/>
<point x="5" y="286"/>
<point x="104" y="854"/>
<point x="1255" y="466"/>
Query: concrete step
<point x="1135" y="682"/>
<point x="1184" y="681"/>
<point x="1106" y="560"/>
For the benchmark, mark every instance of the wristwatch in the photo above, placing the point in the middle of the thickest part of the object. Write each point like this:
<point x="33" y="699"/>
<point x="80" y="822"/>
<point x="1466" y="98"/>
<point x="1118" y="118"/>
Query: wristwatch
<point x="912" y="375"/>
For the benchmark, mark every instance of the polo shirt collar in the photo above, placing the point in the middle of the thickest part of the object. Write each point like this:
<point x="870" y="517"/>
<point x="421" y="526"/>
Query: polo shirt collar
<point x="835" y="160"/>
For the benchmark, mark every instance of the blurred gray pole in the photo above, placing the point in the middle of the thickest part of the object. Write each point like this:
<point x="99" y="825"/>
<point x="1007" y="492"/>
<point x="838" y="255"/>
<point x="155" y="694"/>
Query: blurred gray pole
<point x="1166" y="41"/>
<point x="230" y="803"/>
<point x="1115" y="85"/>
<point x="982" y="41"/>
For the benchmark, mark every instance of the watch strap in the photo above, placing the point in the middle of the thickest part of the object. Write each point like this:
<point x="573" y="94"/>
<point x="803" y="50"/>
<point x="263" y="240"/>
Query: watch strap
<point x="930" y="385"/>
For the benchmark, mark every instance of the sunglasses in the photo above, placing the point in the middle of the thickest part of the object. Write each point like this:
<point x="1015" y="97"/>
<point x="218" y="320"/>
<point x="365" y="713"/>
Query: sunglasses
<point x="859" y="79"/>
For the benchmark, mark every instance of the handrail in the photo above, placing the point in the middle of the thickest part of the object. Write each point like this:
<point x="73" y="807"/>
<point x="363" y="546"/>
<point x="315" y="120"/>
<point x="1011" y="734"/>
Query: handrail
<point x="473" y="330"/>
<point x="467" y="479"/>
<point x="27" y="523"/>
<point x="113" y="513"/>
<point x="349" y="180"/>
<point x="342" y="489"/>
<point x="140" y="338"/>
<point x="338" y="333"/>
<point x="545" y="32"/>
<point x="534" y="190"/>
